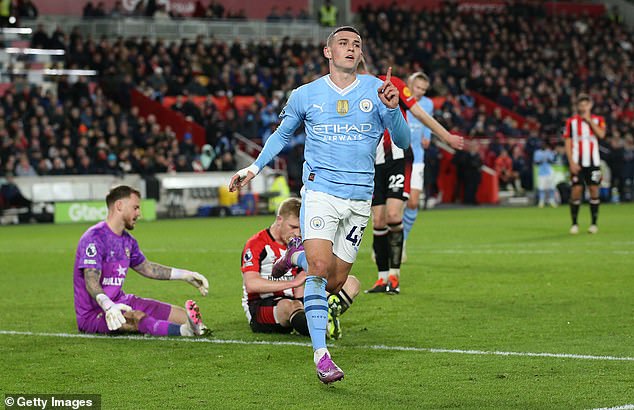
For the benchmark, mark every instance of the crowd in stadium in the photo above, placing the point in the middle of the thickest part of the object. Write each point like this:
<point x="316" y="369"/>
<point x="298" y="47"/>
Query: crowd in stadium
<point x="526" y="61"/>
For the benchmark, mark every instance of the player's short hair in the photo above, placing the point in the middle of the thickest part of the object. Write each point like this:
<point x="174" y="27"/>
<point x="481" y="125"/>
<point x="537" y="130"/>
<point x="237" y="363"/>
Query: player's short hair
<point x="340" y="29"/>
<point x="120" y="192"/>
<point x="419" y="75"/>
<point x="583" y="97"/>
<point x="289" y="207"/>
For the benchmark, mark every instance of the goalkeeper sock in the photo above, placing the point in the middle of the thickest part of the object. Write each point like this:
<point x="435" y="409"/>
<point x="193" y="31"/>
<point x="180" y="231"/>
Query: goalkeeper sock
<point x="299" y="323"/>
<point x="316" y="308"/>
<point x="150" y="326"/>
<point x="409" y="217"/>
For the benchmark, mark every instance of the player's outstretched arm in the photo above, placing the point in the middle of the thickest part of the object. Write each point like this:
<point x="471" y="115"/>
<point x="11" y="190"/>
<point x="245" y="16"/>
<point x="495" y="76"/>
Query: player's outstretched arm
<point x="157" y="271"/>
<point x="455" y="141"/>
<point x="291" y="119"/>
<point x="114" y="311"/>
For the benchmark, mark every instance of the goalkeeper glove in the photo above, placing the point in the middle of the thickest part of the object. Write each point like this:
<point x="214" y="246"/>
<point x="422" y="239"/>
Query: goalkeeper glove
<point x="114" y="315"/>
<point x="193" y="278"/>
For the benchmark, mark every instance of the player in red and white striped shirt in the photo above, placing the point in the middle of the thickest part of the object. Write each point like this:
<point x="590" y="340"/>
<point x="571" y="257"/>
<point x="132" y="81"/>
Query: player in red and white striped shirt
<point x="582" y="135"/>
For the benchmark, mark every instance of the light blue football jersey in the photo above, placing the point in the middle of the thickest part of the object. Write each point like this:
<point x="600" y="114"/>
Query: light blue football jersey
<point x="419" y="131"/>
<point x="343" y="128"/>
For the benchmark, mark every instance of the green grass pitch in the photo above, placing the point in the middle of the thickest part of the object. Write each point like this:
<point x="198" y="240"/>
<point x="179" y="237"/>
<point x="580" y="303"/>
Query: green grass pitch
<point x="477" y="281"/>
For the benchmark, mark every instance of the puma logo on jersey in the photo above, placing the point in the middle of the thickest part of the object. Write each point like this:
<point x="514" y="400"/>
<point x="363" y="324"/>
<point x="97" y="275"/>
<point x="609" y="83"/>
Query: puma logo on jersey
<point x="321" y="107"/>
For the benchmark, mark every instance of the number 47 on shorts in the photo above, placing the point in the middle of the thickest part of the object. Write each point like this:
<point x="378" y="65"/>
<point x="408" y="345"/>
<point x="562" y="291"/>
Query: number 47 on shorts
<point x="355" y="237"/>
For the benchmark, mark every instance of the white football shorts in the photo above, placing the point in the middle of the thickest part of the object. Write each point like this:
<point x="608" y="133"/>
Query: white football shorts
<point x="545" y="182"/>
<point x="418" y="176"/>
<point x="341" y="221"/>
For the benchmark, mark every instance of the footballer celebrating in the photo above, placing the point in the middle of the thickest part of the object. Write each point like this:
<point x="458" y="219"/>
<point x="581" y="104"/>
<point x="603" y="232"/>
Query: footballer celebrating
<point x="344" y="116"/>
<point x="104" y="255"/>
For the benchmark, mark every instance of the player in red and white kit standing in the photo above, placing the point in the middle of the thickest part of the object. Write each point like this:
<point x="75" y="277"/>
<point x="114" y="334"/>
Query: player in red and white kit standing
<point x="391" y="191"/>
<point x="581" y="136"/>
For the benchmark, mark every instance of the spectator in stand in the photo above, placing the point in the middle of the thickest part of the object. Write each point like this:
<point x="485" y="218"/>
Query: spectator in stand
<point x="59" y="168"/>
<point x="328" y="14"/>
<point x="117" y="10"/>
<point x="227" y="162"/>
<point x="27" y="10"/>
<point x="287" y="16"/>
<point x="468" y="163"/>
<point x="161" y="13"/>
<point x="24" y="167"/>
<point x="274" y="15"/>
<point x="89" y="10"/>
<point x="207" y="157"/>
<point x="251" y="123"/>
<point x="521" y="169"/>
<point x="10" y="194"/>
<point x="215" y="10"/>
<point x="150" y="8"/>
<point x="187" y="147"/>
<point x="40" y="38"/>
<point x="504" y="170"/>
<point x="303" y="15"/>
<point x="183" y="164"/>
<point x="112" y="166"/>
<point x="100" y="10"/>
<point x="505" y="99"/>
<point x="199" y="10"/>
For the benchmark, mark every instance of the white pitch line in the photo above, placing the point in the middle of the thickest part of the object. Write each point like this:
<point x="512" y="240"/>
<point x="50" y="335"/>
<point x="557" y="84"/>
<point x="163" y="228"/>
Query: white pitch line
<point x="303" y="344"/>
<point x="623" y="407"/>
<point x="426" y="251"/>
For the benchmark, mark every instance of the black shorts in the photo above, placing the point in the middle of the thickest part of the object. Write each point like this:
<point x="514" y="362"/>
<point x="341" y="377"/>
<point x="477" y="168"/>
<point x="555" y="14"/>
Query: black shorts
<point x="389" y="181"/>
<point x="588" y="176"/>
<point x="262" y="318"/>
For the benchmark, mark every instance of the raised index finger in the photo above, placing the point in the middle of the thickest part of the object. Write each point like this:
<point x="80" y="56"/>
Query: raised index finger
<point x="388" y="77"/>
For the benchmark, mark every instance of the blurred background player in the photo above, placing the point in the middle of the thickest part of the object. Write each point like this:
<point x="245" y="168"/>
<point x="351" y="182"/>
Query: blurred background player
<point x="344" y="116"/>
<point x="392" y="189"/>
<point x="581" y="136"/>
<point x="104" y="254"/>
<point x="544" y="158"/>
<point x="387" y="207"/>
<point x="418" y="83"/>
<point x="275" y="305"/>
